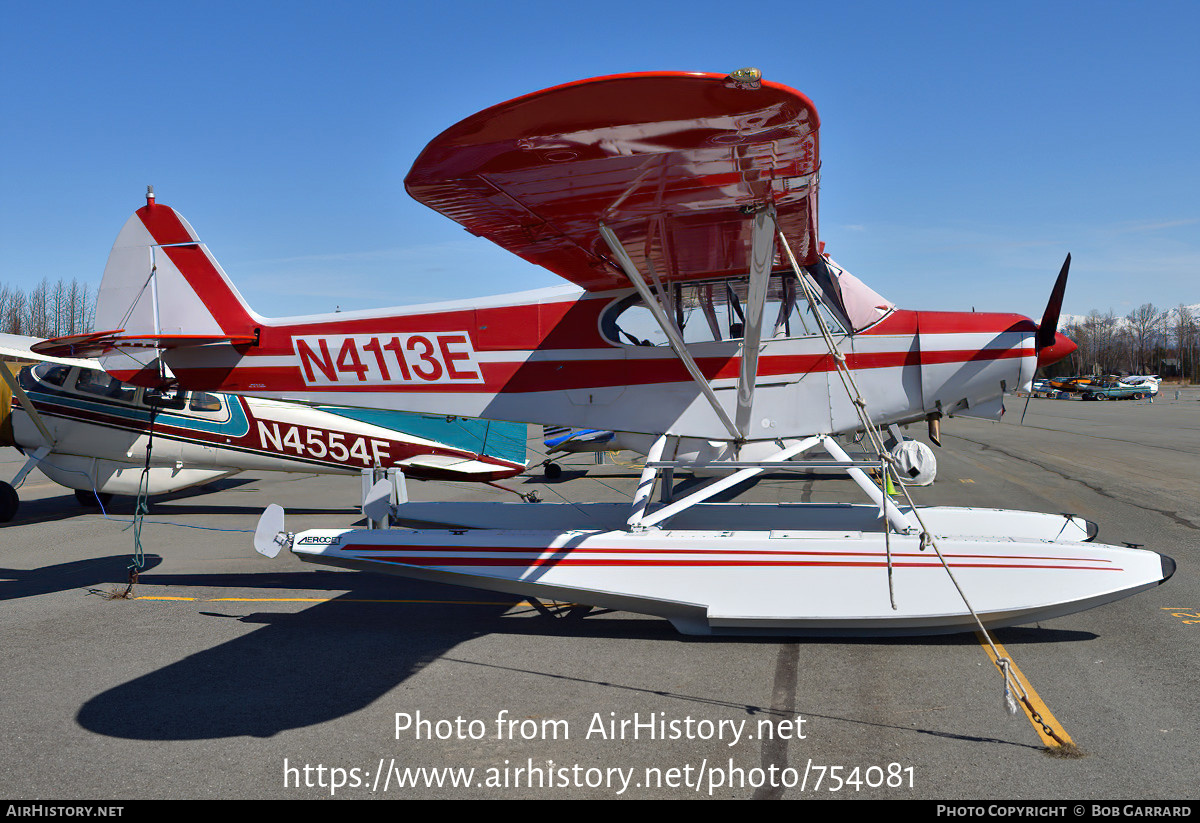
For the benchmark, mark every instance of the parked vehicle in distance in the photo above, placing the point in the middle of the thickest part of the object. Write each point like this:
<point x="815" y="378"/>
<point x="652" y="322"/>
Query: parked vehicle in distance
<point x="1149" y="382"/>
<point x="1113" y="390"/>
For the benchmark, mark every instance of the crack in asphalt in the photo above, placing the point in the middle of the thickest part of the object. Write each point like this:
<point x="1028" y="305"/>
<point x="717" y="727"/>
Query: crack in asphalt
<point x="1052" y="430"/>
<point x="783" y="699"/>
<point x="1174" y="516"/>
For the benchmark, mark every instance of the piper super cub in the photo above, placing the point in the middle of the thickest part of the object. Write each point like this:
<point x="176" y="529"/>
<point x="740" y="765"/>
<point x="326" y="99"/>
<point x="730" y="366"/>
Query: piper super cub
<point x="702" y="316"/>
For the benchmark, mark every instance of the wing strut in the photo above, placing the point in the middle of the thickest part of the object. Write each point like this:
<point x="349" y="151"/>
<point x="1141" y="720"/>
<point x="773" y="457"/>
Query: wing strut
<point x="642" y="520"/>
<point x="762" y="246"/>
<point x="743" y="471"/>
<point x="668" y="328"/>
<point x="645" y="486"/>
<point x="37" y="454"/>
<point x="28" y="406"/>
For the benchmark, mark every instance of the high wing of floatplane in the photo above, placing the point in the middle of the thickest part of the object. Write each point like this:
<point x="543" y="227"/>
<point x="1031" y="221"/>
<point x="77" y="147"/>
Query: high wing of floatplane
<point x="89" y="432"/>
<point x="704" y="323"/>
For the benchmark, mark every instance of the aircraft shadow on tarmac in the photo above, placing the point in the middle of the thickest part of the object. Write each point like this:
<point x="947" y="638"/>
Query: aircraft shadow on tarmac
<point x="306" y="667"/>
<point x="565" y="476"/>
<point x="90" y="574"/>
<point x="48" y="510"/>
<point x="337" y="657"/>
<point x="183" y="502"/>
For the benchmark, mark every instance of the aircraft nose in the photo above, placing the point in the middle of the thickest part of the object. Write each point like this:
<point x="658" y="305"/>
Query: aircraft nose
<point x="1060" y="348"/>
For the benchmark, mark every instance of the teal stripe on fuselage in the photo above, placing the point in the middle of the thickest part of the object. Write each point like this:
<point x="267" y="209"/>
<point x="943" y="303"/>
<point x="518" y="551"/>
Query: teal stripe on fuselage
<point x="236" y="426"/>
<point x="505" y="441"/>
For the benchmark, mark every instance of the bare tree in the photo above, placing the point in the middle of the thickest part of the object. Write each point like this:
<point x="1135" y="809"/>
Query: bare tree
<point x="14" y="315"/>
<point x="6" y="297"/>
<point x="37" y="310"/>
<point x="1080" y="335"/>
<point x="49" y="310"/>
<point x="1102" y="348"/>
<point x="1185" y="341"/>
<point x="80" y="304"/>
<point x="1146" y="325"/>
<point x="58" y="310"/>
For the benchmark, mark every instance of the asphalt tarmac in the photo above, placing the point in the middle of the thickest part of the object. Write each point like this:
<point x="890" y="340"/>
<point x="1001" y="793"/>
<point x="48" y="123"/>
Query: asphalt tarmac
<point x="228" y="675"/>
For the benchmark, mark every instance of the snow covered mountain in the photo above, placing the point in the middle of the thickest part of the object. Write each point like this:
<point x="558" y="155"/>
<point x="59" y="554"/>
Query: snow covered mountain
<point x="1065" y="320"/>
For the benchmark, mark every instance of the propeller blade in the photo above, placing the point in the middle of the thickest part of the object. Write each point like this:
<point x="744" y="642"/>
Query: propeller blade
<point x="1048" y="328"/>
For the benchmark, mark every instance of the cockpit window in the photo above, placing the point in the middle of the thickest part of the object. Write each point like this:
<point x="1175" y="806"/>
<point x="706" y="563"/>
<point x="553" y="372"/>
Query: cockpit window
<point x="52" y="373"/>
<point x="165" y="398"/>
<point x="204" y="402"/>
<point x="95" y="382"/>
<point x="713" y="311"/>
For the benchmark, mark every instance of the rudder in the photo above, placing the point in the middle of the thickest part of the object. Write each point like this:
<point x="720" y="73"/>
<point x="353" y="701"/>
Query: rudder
<point x="161" y="280"/>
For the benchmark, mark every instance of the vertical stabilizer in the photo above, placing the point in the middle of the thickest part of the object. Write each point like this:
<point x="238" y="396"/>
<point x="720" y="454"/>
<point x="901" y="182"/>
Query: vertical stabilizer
<point x="161" y="280"/>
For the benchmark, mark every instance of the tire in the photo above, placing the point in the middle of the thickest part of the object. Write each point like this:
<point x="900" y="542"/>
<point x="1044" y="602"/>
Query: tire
<point x="9" y="502"/>
<point x="553" y="471"/>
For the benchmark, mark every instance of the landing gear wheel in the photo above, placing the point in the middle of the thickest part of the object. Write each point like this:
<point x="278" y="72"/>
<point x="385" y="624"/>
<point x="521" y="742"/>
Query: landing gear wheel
<point x="87" y="497"/>
<point x="553" y="471"/>
<point x="9" y="501"/>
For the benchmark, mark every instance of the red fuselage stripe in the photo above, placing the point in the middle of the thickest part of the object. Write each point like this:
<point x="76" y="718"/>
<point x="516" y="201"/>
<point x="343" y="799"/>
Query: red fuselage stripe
<point x="536" y="550"/>
<point x="550" y="375"/>
<point x="505" y="561"/>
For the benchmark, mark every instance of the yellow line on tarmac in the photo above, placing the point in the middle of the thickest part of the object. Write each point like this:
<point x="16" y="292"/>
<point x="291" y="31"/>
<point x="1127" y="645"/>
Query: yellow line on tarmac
<point x="1042" y="709"/>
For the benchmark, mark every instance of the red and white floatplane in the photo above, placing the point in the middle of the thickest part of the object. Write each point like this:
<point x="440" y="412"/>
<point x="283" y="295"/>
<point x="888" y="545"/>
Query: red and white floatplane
<point x="705" y="319"/>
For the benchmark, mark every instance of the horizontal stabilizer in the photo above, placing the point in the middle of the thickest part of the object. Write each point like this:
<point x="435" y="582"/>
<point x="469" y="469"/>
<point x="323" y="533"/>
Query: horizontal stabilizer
<point x="447" y="463"/>
<point x="104" y="342"/>
<point x="22" y="348"/>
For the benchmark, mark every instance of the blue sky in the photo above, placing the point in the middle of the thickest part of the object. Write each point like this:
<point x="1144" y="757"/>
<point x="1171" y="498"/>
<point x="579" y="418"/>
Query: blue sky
<point x="966" y="147"/>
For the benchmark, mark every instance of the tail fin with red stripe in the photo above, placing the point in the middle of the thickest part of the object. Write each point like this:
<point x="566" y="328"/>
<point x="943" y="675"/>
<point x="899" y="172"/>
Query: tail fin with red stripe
<point x="162" y="281"/>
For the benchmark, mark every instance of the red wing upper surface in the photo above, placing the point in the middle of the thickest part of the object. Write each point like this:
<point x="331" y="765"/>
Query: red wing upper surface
<point x="672" y="162"/>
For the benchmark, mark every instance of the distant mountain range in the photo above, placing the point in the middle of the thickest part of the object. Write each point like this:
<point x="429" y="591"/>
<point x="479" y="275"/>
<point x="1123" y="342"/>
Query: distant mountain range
<point x="1067" y="319"/>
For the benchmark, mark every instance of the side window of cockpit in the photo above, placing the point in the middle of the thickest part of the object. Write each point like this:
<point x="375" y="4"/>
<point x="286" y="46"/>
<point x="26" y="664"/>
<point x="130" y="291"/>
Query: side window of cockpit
<point x="91" y="381"/>
<point x="165" y="398"/>
<point x="716" y="311"/>
<point x="804" y="316"/>
<point x="204" y="402"/>
<point x="631" y="323"/>
<point x="52" y="373"/>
